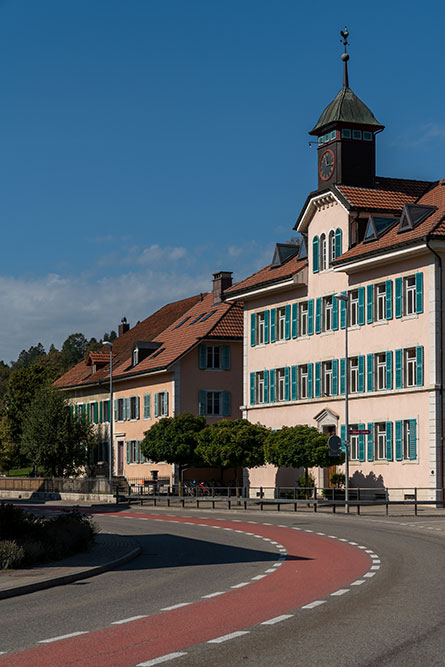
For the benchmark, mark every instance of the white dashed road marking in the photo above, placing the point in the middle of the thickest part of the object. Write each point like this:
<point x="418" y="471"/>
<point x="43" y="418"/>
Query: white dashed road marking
<point x="128" y="620"/>
<point x="311" y="605"/>
<point x="56" y="639"/>
<point x="176" y="606"/>
<point x="161" y="659"/>
<point x="277" y="619"/>
<point x="225" y="638"/>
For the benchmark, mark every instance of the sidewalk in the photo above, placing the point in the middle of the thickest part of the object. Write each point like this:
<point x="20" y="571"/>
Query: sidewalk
<point x="108" y="552"/>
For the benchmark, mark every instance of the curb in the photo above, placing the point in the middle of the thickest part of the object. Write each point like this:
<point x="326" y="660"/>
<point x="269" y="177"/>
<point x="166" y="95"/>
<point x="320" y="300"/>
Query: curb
<point x="69" y="578"/>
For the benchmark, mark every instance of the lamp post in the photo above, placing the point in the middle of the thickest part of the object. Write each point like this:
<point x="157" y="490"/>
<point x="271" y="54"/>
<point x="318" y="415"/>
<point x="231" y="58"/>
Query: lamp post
<point x="110" y="441"/>
<point x="345" y="297"/>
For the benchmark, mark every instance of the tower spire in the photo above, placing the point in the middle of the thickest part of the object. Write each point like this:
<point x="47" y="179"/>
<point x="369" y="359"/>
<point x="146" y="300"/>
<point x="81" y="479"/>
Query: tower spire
<point x="345" y="57"/>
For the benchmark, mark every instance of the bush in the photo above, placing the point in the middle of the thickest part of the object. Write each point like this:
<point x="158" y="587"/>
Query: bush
<point x="11" y="554"/>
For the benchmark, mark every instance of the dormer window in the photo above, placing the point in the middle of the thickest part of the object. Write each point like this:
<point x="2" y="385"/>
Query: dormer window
<point x="135" y="357"/>
<point x="377" y="226"/>
<point x="413" y="215"/>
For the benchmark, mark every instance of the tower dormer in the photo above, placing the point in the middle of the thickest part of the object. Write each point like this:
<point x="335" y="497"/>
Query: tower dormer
<point x="346" y="137"/>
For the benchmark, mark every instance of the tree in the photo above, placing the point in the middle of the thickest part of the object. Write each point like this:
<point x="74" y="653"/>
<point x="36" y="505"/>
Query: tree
<point x="73" y="349"/>
<point x="28" y="357"/>
<point x="174" y="440"/>
<point x="53" y="439"/>
<point x="232" y="444"/>
<point x="299" y="447"/>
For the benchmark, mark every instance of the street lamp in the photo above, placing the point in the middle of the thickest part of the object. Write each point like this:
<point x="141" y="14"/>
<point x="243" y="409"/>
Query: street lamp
<point x="110" y="416"/>
<point x="345" y="297"/>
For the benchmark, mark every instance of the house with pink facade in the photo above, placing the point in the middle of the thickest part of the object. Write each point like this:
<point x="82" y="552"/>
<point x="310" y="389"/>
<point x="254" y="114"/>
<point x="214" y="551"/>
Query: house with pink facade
<point x="380" y="242"/>
<point x="186" y="357"/>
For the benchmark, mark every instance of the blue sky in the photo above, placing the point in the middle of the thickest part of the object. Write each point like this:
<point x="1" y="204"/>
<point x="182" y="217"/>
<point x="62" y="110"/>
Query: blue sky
<point x="146" y="144"/>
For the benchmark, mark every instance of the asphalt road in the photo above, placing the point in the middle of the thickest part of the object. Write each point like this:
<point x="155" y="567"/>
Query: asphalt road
<point x="395" y="618"/>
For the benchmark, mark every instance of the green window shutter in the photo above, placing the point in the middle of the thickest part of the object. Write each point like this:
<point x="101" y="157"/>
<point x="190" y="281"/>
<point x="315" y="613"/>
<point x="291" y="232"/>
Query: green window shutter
<point x="294" y="383"/>
<point x="342" y="314"/>
<point x="147" y="406"/>
<point x="315" y="254"/>
<point x="371" y="442"/>
<point x="343" y="435"/>
<point x="128" y="451"/>
<point x="137" y="407"/>
<point x="310" y="317"/>
<point x="227" y="404"/>
<point x="310" y="380"/>
<point x="338" y="244"/>
<point x="343" y="376"/>
<point x="370" y="372"/>
<point x="96" y="412"/>
<point x="141" y="455"/>
<point x="361" y="373"/>
<point x="202" y="356"/>
<point x="127" y="408"/>
<point x="419" y="292"/>
<point x="252" y="389"/>
<point x="83" y="409"/>
<point x="266" y="386"/>
<point x="286" y="384"/>
<point x="317" y="379"/>
<point x="109" y="410"/>
<point x="294" y="320"/>
<point x="370" y="304"/>
<point x="318" y="315"/>
<point x="156" y="405"/>
<point x="272" y="385"/>
<point x="335" y="377"/>
<point x="225" y="349"/>
<point x="252" y="329"/>
<point x="273" y="325"/>
<point x="266" y="326"/>
<point x="287" y="322"/>
<point x="412" y="439"/>
<point x="389" y="441"/>
<point x="398" y="438"/>
<point x="361" y="306"/>
<point x="115" y="410"/>
<point x="334" y="314"/>
<point x="389" y="370"/>
<point x="166" y="405"/>
<point x="398" y="369"/>
<point x="101" y="412"/>
<point x="419" y="365"/>
<point x="398" y="295"/>
<point x="388" y="291"/>
<point x="361" y="444"/>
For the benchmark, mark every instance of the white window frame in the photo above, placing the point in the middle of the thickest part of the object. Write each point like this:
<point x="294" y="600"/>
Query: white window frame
<point x="133" y="407"/>
<point x="323" y="252"/>
<point x="303" y="309"/>
<point x="327" y="378"/>
<point x="353" y="443"/>
<point x="280" y="384"/>
<point x="380" y="371"/>
<point x="405" y="441"/>
<point x="331" y="247"/>
<point x="409" y="295"/>
<point x="281" y="323"/>
<point x="410" y="367"/>
<point x="353" y="308"/>
<point x="162" y="400"/>
<point x="214" y="403"/>
<point x="380" y="302"/>
<point x="260" y="327"/>
<point x="380" y="441"/>
<point x="259" y="387"/>
<point x="303" y="381"/>
<point x="353" y="375"/>
<point x="134" y="458"/>
<point x="327" y="313"/>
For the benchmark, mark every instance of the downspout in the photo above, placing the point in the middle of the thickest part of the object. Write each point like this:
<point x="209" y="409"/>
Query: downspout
<point x="441" y="467"/>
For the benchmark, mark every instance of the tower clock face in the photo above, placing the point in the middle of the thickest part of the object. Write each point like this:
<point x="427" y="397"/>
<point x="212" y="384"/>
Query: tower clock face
<point x="326" y="165"/>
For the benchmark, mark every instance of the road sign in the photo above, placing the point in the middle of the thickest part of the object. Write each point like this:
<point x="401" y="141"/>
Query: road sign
<point x="334" y="444"/>
<point x="359" y="431"/>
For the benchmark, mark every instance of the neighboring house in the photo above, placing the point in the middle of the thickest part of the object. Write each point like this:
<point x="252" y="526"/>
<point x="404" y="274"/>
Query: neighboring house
<point x="186" y="357"/>
<point x="381" y="241"/>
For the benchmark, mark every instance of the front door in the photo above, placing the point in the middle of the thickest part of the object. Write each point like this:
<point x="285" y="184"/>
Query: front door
<point x="120" y="458"/>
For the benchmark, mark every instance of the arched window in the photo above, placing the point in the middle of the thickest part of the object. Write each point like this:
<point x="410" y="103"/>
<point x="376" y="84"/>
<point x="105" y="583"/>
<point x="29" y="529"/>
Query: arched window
<point x="323" y="252"/>
<point x="331" y="244"/>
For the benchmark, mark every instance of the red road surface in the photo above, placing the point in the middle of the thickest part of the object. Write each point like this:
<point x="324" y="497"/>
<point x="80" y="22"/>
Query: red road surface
<point x="331" y="565"/>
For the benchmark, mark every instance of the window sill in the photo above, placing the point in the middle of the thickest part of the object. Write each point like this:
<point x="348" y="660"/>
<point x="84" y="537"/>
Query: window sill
<point x="327" y="333"/>
<point x="380" y="323"/>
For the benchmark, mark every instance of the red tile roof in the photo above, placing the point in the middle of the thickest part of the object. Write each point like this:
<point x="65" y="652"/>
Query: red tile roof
<point x="204" y="319"/>
<point x="390" y="194"/>
<point x="267" y="276"/>
<point x="99" y="357"/>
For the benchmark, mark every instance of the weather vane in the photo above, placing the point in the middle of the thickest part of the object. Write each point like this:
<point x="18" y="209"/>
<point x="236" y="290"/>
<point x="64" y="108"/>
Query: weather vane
<point x="345" y="56"/>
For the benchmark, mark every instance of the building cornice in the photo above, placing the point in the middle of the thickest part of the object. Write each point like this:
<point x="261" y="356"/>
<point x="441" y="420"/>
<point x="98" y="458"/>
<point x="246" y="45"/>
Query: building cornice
<point x="315" y="202"/>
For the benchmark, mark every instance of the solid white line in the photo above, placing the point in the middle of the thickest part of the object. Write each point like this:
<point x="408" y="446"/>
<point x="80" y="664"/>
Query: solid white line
<point x="176" y="606"/>
<point x="341" y="591"/>
<point x="259" y="576"/>
<point x="213" y="595"/>
<point x="163" y="658"/>
<point x="244" y="583"/>
<point x="359" y="582"/>
<point x="311" y="605"/>
<point x="224" y="638"/>
<point x="128" y="620"/>
<point x="277" y="619"/>
<point x="56" y="639"/>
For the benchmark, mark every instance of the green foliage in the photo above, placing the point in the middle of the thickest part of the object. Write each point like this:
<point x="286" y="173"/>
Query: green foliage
<point x="232" y="443"/>
<point x="174" y="439"/>
<point x="306" y="482"/>
<point x="73" y="349"/>
<point x="11" y="555"/>
<point x="52" y="438"/>
<point x="298" y="447"/>
<point x="338" y="479"/>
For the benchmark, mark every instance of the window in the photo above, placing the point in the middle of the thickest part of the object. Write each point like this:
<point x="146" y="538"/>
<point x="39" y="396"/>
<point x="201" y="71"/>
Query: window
<point x="346" y="133"/>
<point x="182" y="322"/>
<point x="281" y="384"/>
<point x="213" y="356"/>
<point x="380" y="302"/>
<point x="380" y="371"/>
<point x="410" y="367"/>
<point x="367" y="136"/>
<point x="134" y="407"/>
<point x="197" y="318"/>
<point x="409" y="295"/>
<point x="260" y="328"/>
<point x="327" y="378"/>
<point x="302" y="381"/>
<point x="323" y="252"/>
<point x="105" y="411"/>
<point x="133" y="455"/>
<point x="380" y="441"/>
<point x="353" y="308"/>
<point x="214" y="403"/>
<point x="406" y="439"/>
<point x="135" y="357"/>
<point x="259" y="387"/>
<point x="147" y="406"/>
<point x="327" y="313"/>
<point x="90" y="412"/>
<point x="331" y="246"/>
<point x="281" y="323"/>
<point x="120" y="409"/>
<point x="353" y="443"/>
<point x="303" y="312"/>
<point x="353" y="375"/>
<point x="161" y="404"/>
<point x="356" y="134"/>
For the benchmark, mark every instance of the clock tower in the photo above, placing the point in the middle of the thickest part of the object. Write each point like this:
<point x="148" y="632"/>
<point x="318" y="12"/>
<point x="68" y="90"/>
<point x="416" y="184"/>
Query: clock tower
<point x="346" y="133"/>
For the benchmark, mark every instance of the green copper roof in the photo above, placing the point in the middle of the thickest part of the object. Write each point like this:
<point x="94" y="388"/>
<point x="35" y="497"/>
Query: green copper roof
<point x="346" y="108"/>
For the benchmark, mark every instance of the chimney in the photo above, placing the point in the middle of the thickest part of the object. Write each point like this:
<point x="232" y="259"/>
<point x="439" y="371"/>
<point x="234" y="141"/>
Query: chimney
<point x="123" y="326"/>
<point x="221" y="281"/>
